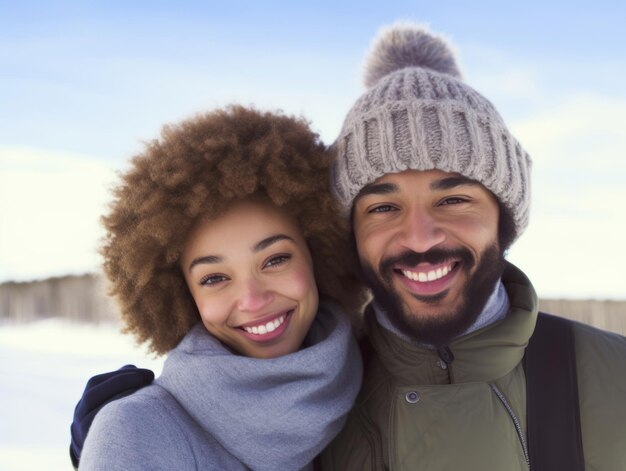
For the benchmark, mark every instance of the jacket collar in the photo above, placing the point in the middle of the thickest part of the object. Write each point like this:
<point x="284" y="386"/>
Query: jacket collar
<point x="482" y="355"/>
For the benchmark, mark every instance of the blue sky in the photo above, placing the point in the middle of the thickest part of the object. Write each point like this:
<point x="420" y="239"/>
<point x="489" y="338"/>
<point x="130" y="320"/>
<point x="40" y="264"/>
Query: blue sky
<point x="83" y="84"/>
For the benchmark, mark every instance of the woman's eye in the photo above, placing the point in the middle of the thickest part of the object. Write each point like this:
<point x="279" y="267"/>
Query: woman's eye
<point x="383" y="208"/>
<point x="212" y="280"/>
<point x="277" y="260"/>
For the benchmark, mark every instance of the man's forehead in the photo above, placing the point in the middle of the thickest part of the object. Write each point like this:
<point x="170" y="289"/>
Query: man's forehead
<point x="434" y="179"/>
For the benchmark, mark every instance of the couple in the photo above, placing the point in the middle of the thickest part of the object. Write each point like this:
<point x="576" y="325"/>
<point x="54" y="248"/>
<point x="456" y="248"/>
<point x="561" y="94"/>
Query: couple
<point x="226" y="251"/>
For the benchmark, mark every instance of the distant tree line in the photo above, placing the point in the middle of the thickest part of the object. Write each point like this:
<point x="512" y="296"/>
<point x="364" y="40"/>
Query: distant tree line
<point x="79" y="298"/>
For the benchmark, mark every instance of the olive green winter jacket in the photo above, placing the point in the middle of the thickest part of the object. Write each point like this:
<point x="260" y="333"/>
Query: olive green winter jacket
<point x="414" y="412"/>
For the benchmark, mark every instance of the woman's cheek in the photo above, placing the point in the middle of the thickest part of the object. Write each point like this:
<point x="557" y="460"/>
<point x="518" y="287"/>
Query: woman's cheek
<point x="212" y="311"/>
<point x="302" y="287"/>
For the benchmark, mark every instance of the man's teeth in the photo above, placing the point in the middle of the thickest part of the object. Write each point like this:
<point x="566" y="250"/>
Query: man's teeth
<point x="265" y="328"/>
<point x="431" y="275"/>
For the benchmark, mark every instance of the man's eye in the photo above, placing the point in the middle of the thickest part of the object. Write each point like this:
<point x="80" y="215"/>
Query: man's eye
<point x="276" y="260"/>
<point x="212" y="280"/>
<point x="453" y="200"/>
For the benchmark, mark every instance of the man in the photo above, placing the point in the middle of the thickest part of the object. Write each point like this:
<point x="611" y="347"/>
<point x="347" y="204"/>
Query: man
<point x="438" y="189"/>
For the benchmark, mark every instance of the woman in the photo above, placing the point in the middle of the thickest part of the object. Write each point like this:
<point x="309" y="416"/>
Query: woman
<point x="215" y="240"/>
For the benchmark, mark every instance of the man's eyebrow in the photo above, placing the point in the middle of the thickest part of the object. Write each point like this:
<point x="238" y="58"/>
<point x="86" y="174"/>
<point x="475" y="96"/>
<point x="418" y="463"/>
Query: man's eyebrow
<point x="205" y="259"/>
<point x="269" y="241"/>
<point x="377" y="189"/>
<point x="452" y="182"/>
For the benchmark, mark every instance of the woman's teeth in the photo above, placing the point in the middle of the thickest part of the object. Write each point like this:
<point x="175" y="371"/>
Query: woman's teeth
<point x="265" y="328"/>
<point x="431" y="275"/>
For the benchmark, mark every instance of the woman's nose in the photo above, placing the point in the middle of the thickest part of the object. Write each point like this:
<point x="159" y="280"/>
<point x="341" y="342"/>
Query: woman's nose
<point x="254" y="296"/>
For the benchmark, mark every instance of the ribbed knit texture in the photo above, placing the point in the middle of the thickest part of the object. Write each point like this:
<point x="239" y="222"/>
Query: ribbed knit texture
<point x="418" y="118"/>
<point x="212" y="409"/>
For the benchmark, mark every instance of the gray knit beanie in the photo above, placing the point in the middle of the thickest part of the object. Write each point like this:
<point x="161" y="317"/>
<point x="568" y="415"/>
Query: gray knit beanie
<point x="418" y="114"/>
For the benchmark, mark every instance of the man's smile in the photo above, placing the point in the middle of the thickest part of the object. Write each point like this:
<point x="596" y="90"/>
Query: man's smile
<point x="428" y="279"/>
<point x="428" y="273"/>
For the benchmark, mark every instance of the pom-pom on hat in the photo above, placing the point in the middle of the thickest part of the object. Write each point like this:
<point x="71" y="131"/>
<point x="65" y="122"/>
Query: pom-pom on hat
<point x="405" y="45"/>
<point x="418" y="114"/>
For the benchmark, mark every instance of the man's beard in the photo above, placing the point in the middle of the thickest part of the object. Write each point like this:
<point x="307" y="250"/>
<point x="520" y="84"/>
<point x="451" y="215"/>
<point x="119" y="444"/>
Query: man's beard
<point x="439" y="328"/>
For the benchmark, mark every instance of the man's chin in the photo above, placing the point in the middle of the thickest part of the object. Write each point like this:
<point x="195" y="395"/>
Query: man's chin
<point x="430" y="311"/>
<point x="433" y="322"/>
<point x="434" y="319"/>
<point x="438" y="318"/>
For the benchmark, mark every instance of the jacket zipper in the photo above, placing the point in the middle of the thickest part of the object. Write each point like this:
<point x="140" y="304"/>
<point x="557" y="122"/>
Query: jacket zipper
<point x="515" y="419"/>
<point x="446" y="357"/>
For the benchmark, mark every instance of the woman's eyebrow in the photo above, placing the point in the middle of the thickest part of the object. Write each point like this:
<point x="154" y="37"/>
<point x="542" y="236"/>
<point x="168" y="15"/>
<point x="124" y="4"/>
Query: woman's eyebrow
<point x="269" y="241"/>
<point x="205" y="259"/>
<point x="262" y="244"/>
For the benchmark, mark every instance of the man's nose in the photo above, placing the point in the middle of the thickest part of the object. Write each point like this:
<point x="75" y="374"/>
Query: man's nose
<point x="420" y="230"/>
<point x="254" y="295"/>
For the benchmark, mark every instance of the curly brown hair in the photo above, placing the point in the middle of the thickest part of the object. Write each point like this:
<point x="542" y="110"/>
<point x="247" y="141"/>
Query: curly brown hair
<point x="194" y="171"/>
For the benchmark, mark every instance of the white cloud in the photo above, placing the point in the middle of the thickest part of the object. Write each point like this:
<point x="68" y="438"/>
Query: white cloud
<point x="50" y="204"/>
<point x="573" y="257"/>
<point x="574" y="245"/>
<point x="584" y="131"/>
<point x="510" y="82"/>
<point x="497" y="75"/>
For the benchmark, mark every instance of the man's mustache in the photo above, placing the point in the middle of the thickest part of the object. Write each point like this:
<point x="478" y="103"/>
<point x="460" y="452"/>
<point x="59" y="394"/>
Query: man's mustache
<point x="410" y="258"/>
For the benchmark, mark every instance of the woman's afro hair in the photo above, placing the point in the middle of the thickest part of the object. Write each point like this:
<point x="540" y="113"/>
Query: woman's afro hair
<point x="194" y="171"/>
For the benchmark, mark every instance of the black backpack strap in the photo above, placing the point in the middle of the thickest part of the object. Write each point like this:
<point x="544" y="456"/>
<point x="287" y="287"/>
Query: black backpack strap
<point x="552" y="409"/>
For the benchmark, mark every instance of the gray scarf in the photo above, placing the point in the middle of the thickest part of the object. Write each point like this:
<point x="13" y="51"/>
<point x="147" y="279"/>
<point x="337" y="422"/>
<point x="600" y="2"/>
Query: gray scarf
<point x="271" y="414"/>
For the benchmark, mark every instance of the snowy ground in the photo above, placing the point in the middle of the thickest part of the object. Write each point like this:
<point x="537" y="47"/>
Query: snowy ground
<point x="43" y="369"/>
